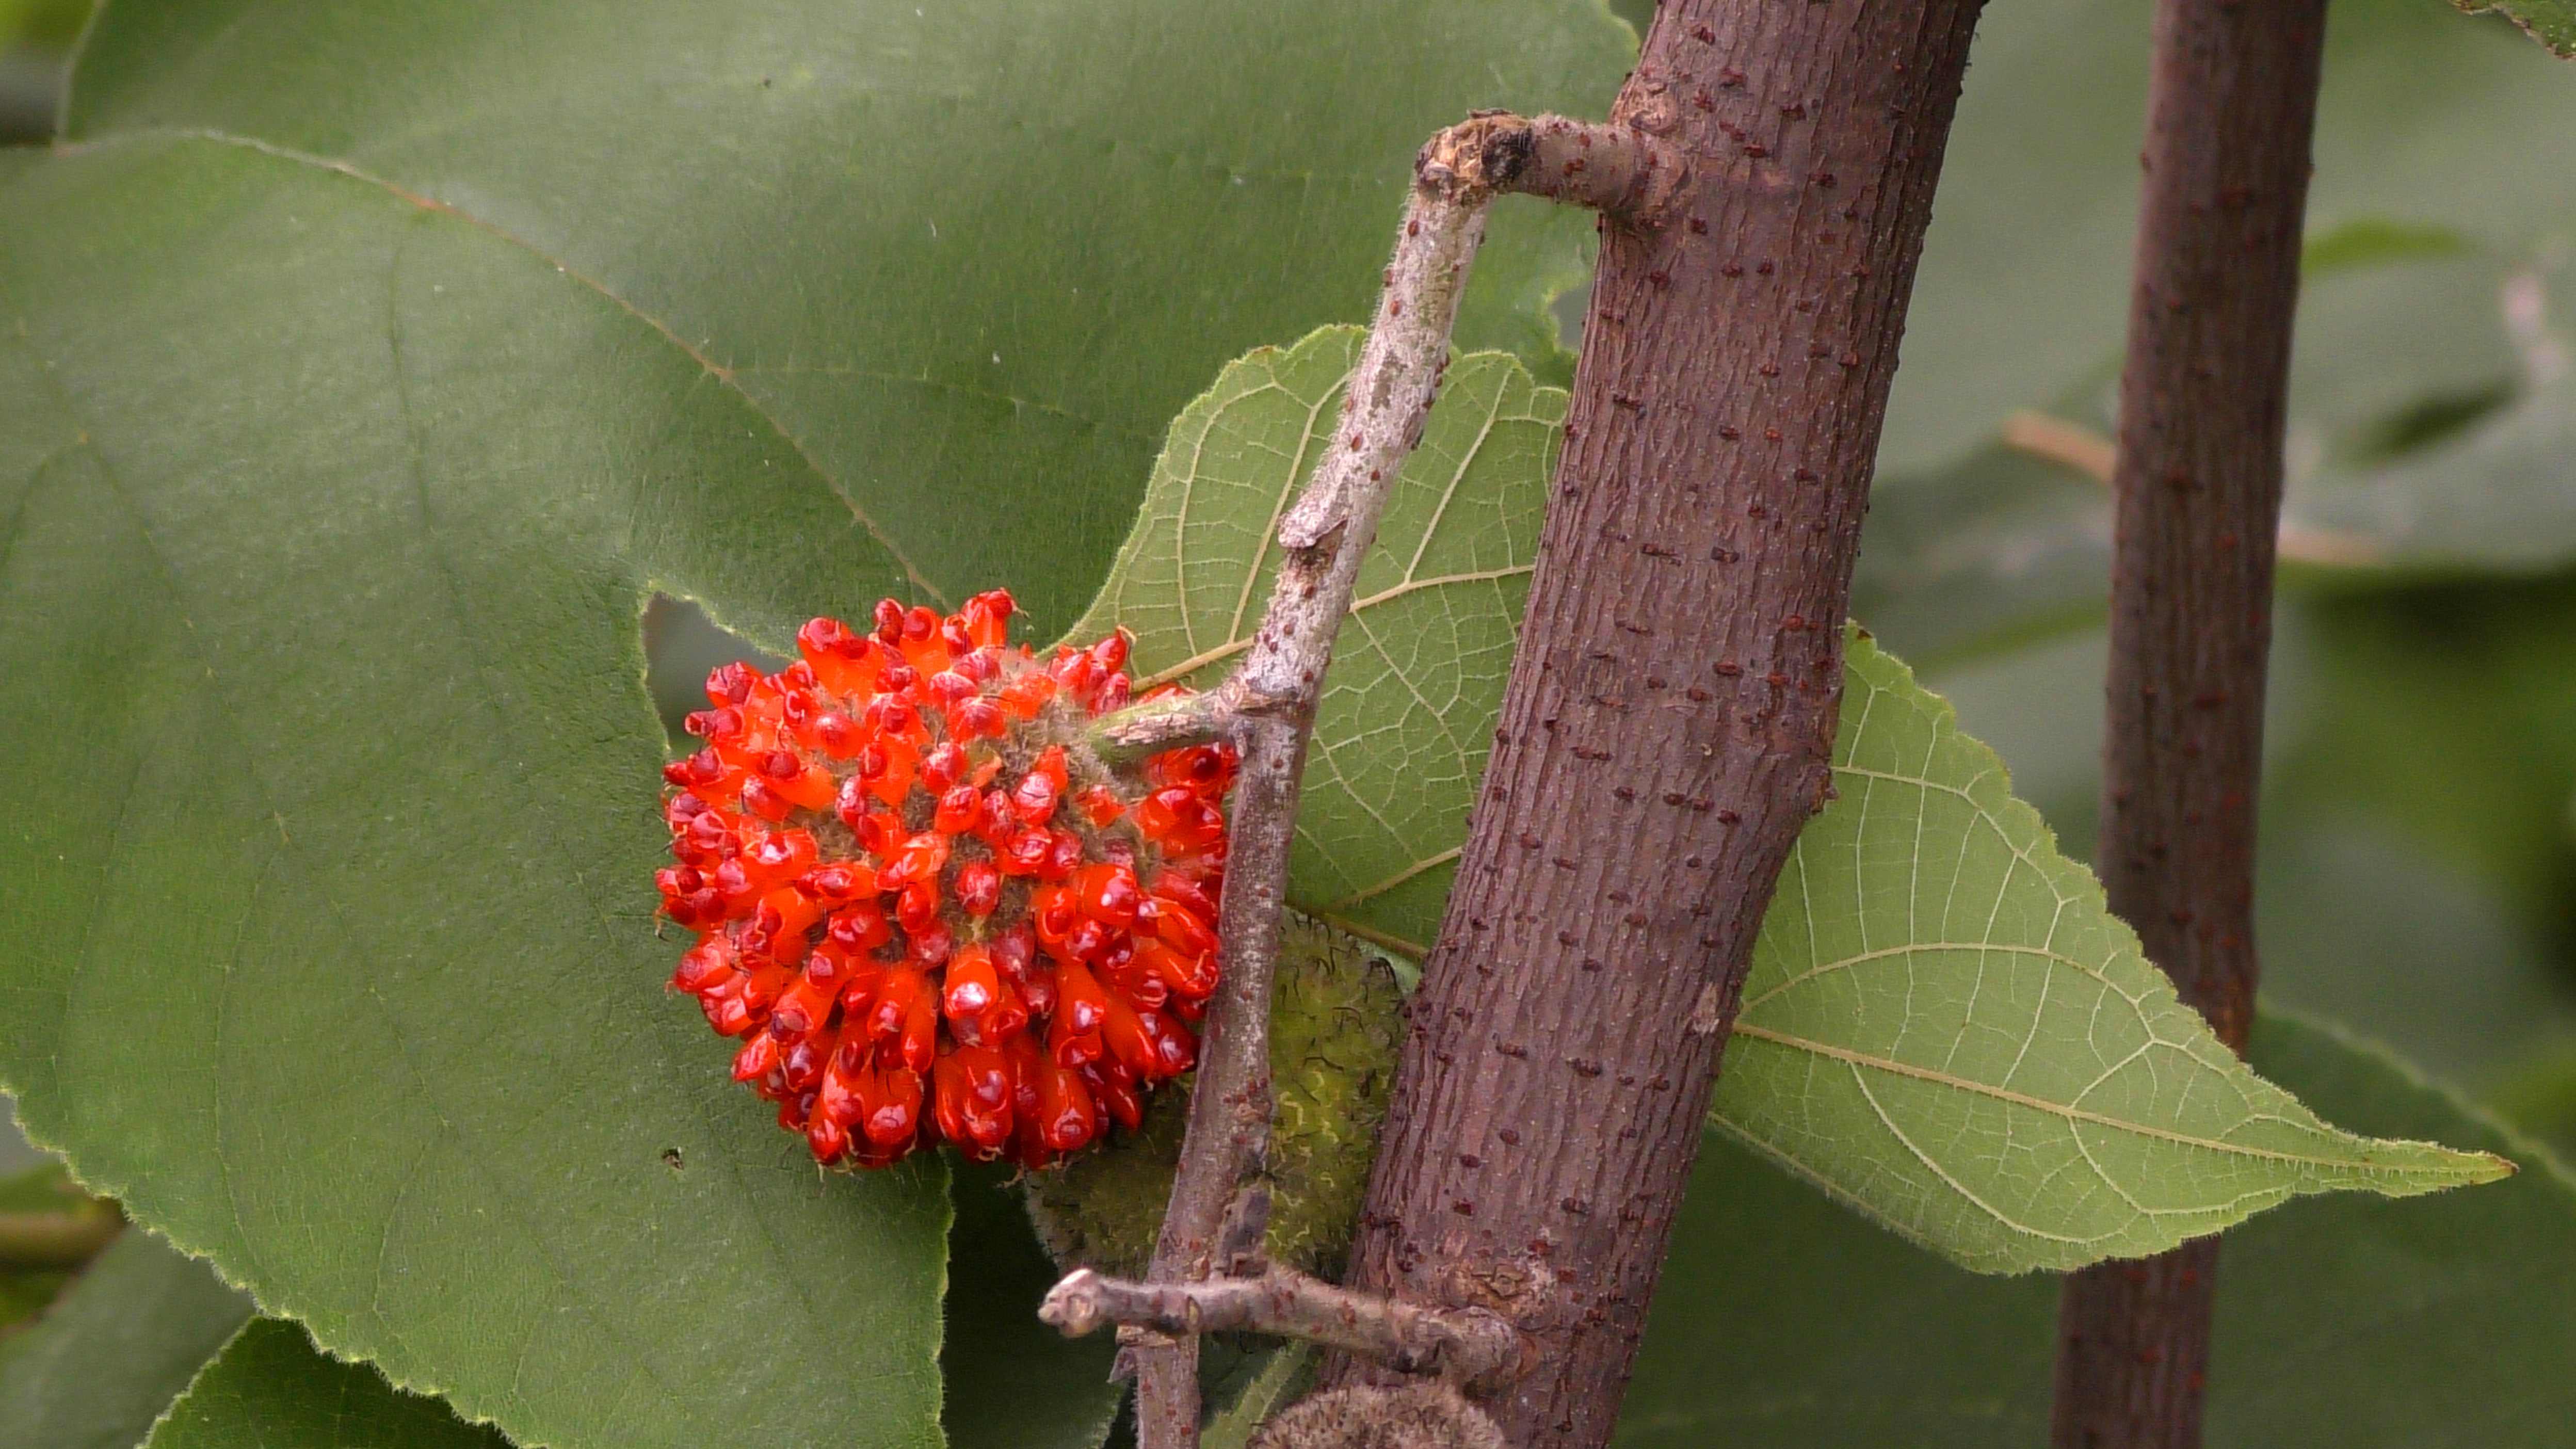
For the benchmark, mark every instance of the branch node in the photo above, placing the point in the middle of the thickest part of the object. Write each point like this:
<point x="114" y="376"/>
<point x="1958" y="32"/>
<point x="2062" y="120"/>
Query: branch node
<point x="1473" y="1347"/>
<point x="1618" y="169"/>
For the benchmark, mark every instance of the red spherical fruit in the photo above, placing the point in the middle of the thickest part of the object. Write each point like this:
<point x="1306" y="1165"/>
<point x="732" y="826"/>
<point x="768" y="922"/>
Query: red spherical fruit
<point x="923" y="908"/>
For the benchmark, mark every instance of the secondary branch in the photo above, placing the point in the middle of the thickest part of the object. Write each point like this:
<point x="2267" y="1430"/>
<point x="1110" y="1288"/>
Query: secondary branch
<point x="2203" y="395"/>
<point x="1324" y="538"/>
<point x="1469" y="1347"/>
<point x="33" y="1242"/>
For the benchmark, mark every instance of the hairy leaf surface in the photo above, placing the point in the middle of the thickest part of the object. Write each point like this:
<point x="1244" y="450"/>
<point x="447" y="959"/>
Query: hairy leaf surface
<point x="364" y="368"/>
<point x="2551" y="22"/>
<point x="967" y="258"/>
<point x="271" y="1389"/>
<point x="2358" y="1323"/>
<point x="333" y="804"/>
<point x="1407" y="715"/>
<point x="1944" y="1025"/>
<point x="115" y="1349"/>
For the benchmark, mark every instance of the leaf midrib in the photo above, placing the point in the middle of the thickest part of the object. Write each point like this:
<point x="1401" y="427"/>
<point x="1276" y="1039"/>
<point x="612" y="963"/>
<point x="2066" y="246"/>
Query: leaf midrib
<point x="2362" y="1166"/>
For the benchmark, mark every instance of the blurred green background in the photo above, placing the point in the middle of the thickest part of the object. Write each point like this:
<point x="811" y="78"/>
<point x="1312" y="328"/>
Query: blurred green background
<point x="35" y="45"/>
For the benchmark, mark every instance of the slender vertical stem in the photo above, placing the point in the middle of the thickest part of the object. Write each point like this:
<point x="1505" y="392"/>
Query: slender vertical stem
<point x="2202" y="401"/>
<point x="1324" y="538"/>
<point x="1668" y="723"/>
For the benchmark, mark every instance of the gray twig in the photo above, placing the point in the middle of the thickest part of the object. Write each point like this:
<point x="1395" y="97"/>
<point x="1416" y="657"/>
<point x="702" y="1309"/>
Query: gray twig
<point x="34" y="1242"/>
<point x="1466" y="1345"/>
<point x="1268" y="704"/>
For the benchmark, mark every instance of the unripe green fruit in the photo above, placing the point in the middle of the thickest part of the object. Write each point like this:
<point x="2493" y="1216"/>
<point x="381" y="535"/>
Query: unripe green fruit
<point x="1336" y="1017"/>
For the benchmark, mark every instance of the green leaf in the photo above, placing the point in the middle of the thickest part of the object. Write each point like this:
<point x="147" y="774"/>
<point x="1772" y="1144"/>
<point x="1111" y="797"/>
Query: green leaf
<point x="112" y="1353"/>
<point x="1013" y="1382"/>
<point x="1946" y="1027"/>
<point x="966" y="259"/>
<point x="1417" y="678"/>
<point x="1944" y="1023"/>
<point x="272" y="1389"/>
<point x="332" y="792"/>
<point x="363" y="369"/>
<point x="2551" y="22"/>
<point x="2443" y="1320"/>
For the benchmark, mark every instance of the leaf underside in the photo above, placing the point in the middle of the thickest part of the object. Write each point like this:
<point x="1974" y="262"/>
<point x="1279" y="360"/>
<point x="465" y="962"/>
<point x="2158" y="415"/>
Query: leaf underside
<point x="1780" y="1320"/>
<point x="1944" y="1024"/>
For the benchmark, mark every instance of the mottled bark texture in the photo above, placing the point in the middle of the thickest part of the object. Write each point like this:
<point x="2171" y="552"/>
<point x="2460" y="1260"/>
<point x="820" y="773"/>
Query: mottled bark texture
<point x="1668" y="721"/>
<point x="2202" y="401"/>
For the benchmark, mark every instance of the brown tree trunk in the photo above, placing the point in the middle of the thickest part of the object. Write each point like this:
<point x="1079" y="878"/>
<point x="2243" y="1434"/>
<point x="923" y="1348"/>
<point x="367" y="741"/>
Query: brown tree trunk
<point x="1667" y="726"/>
<point x="2202" y="401"/>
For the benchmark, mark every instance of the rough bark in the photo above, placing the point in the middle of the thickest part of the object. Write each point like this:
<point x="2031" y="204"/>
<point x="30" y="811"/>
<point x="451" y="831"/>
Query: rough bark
<point x="1667" y="725"/>
<point x="2202" y="401"/>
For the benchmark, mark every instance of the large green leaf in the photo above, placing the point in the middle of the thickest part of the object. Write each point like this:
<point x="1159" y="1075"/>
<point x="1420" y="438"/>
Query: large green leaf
<point x="363" y="368"/>
<point x="271" y="1389"/>
<point x="112" y="1353"/>
<point x="966" y="259"/>
<point x="1946" y="1026"/>
<point x="2446" y="1320"/>
<point x="1407" y="716"/>
<point x="331" y="518"/>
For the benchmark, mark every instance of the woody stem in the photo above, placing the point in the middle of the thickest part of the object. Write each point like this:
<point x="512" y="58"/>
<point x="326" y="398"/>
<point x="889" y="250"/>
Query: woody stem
<point x="1271" y="699"/>
<point x="1462" y="1344"/>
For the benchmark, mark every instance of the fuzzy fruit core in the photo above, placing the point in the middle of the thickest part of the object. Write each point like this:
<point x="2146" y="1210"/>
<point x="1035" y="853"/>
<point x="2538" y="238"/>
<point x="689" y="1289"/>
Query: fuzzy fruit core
<point x="926" y="908"/>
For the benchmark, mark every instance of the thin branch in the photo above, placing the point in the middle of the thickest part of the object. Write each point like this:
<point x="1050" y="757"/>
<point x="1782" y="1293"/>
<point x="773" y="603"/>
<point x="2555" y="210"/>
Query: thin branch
<point x="1217" y="1211"/>
<point x="2203" y="392"/>
<point x="1131" y="734"/>
<point x="35" y="1242"/>
<point x="1467" y="1345"/>
<point x="2079" y="449"/>
<point x="1611" y="168"/>
<point x="1324" y="538"/>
